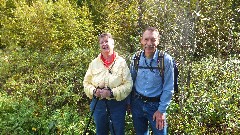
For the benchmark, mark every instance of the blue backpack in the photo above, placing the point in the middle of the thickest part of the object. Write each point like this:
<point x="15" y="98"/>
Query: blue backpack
<point x="160" y="67"/>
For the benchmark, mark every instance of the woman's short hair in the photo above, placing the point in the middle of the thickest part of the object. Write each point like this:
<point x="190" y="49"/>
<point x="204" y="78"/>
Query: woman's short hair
<point x="105" y="35"/>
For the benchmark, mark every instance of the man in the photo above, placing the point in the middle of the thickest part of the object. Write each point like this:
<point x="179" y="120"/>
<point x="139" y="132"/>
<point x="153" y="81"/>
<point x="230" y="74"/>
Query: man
<point x="151" y="95"/>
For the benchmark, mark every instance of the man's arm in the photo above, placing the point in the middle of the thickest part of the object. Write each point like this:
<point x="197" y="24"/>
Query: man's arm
<point x="168" y="85"/>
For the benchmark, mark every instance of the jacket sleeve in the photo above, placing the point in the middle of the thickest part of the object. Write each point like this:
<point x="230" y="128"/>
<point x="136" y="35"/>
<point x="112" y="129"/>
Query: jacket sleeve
<point x="88" y="87"/>
<point x="122" y="91"/>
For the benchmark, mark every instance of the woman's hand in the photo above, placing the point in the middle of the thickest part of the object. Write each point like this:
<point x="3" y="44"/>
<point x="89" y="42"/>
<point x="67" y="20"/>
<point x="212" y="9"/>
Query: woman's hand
<point x="96" y="92"/>
<point x="105" y="92"/>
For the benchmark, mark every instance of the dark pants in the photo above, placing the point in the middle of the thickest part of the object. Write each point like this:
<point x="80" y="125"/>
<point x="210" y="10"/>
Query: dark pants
<point x="117" y="111"/>
<point x="142" y="114"/>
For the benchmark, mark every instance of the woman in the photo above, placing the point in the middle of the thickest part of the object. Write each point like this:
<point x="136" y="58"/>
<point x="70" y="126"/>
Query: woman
<point x="108" y="82"/>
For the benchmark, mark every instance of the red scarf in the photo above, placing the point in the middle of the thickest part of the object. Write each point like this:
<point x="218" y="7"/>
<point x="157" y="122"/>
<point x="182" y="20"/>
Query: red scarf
<point x="108" y="63"/>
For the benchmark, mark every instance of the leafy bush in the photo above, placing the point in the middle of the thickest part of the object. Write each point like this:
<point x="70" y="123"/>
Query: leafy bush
<point x="38" y="74"/>
<point x="52" y="26"/>
<point x="24" y="116"/>
<point x="46" y="84"/>
<point x="17" y="116"/>
<point x="211" y="104"/>
<point x="47" y="46"/>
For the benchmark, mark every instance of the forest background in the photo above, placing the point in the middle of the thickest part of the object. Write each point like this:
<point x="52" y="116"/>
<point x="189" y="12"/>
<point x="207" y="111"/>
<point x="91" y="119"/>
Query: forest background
<point x="47" y="45"/>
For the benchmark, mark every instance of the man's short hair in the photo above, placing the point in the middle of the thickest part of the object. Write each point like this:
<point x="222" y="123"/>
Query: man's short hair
<point x="152" y="29"/>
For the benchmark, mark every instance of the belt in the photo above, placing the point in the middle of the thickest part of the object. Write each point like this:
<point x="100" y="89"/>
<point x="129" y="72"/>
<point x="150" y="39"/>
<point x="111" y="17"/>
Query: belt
<point x="146" y="99"/>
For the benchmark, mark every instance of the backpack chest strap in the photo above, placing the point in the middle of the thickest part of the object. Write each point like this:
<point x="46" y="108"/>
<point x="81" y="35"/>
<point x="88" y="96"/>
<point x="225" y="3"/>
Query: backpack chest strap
<point x="141" y="67"/>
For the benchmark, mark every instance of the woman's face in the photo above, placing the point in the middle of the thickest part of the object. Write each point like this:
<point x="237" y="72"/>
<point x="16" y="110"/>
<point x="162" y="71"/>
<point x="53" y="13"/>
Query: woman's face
<point x="106" y="44"/>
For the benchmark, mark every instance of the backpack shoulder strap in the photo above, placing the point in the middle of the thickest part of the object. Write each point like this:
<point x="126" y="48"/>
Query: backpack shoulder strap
<point x="161" y="63"/>
<point x="136" y="59"/>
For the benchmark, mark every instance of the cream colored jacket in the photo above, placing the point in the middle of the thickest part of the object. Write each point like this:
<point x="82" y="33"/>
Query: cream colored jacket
<point x="119" y="80"/>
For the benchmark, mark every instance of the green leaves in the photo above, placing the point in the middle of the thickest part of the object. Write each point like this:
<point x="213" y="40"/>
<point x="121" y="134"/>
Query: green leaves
<point x="211" y="103"/>
<point x="48" y="26"/>
<point x="47" y="46"/>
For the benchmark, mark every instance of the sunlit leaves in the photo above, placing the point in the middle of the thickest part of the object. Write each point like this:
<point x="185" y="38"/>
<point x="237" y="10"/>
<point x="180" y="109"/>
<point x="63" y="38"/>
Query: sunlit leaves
<point x="46" y="25"/>
<point x="211" y="103"/>
<point x="46" y="47"/>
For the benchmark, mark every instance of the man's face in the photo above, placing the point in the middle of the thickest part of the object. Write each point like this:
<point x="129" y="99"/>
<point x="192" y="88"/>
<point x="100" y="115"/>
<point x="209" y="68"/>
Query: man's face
<point x="149" y="41"/>
<point x="106" y="44"/>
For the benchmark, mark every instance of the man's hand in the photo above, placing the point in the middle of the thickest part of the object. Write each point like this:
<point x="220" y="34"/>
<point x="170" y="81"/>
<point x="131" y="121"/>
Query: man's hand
<point x="160" y="119"/>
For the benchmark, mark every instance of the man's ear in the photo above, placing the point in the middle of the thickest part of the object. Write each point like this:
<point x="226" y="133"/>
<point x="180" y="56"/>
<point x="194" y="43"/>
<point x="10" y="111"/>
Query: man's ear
<point x="142" y="44"/>
<point x="140" y="39"/>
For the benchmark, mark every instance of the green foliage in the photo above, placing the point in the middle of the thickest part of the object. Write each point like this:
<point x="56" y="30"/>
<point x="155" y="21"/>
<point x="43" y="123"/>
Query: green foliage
<point x="24" y="116"/>
<point x="52" y="82"/>
<point x="46" y="46"/>
<point x="15" y="115"/>
<point x="54" y="26"/>
<point x="216" y="21"/>
<point x="120" y="19"/>
<point x="211" y="104"/>
<point x="51" y="78"/>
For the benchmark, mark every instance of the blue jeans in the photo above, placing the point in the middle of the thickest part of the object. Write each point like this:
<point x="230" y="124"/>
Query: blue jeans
<point x="142" y="114"/>
<point x="117" y="112"/>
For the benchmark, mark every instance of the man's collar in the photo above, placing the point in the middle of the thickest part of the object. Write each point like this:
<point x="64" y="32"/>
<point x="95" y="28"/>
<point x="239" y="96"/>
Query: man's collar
<point x="155" y="55"/>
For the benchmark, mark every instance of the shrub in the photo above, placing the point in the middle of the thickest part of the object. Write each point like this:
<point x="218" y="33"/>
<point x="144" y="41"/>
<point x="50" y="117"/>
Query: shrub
<point x="24" y="116"/>
<point x="211" y="104"/>
<point x="47" y="26"/>
<point x="46" y="84"/>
